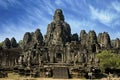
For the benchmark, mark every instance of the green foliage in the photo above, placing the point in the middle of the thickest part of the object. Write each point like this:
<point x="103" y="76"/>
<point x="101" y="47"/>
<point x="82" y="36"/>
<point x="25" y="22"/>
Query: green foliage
<point x="1" y="43"/>
<point x="108" y="59"/>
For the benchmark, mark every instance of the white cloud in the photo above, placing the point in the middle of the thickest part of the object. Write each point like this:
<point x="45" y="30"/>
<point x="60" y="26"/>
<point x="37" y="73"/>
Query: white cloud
<point x="35" y="18"/>
<point x="58" y="2"/>
<point x="116" y="6"/>
<point x="6" y="3"/>
<point x="3" y="4"/>
<point x="104" y="16"/>
<point x="38" y="16"/>
<point x="26" y="24"/>
<point x="78" y="25"/>
<point x="115" y="35"/>
<point x="12" y="30"/>
<point x="49" y="7"/>
<point x="118" y="34"/>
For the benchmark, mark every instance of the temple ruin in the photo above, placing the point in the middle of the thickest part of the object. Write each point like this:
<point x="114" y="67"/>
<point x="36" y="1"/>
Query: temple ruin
<point x="58" y="54"/>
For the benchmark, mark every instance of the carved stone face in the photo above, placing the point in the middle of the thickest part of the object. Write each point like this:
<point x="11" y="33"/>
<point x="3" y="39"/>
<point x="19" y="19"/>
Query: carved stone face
<point x="58" y="11"/>
<point x="58" y="15"/>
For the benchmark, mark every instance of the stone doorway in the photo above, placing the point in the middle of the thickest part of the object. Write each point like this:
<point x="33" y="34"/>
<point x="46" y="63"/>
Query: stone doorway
<point x="58" y="57"/>
<point x="93" y="48"/>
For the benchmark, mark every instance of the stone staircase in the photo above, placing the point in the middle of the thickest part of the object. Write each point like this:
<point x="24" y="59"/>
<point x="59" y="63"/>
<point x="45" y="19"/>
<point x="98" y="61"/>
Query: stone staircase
<point x="61" y="72"/>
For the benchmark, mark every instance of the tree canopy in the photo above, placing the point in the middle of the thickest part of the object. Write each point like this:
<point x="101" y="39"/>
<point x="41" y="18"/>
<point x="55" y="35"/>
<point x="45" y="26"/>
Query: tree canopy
<point x="109" y="59"/>
<point x="1" y="43"/>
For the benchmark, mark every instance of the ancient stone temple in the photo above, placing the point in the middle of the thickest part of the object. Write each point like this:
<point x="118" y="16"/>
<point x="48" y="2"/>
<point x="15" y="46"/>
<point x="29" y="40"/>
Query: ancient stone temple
<point x="58" y="34"/>
<point x="58" y="51"/>
<point x="104" y="40"/>
<point x="58" y="31"/>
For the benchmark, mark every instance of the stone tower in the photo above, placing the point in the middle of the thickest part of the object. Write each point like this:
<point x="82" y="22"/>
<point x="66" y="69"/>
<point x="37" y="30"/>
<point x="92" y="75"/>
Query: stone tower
<point x="58" y="31"/>
<point x="58" y="34"/>
<point x="104" y="40"/>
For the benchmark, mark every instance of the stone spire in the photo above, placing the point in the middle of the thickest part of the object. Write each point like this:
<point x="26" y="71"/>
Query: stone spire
<point x="83" y="37"/>
<point x="58" y="16"/>
<point x="104" y="40"/>
<point x="58" y="31"/>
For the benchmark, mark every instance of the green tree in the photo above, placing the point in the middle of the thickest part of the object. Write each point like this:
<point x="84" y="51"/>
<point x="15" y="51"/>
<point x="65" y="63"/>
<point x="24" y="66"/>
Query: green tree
<point x="108" y="59"/>
<point x="1" y="43"/>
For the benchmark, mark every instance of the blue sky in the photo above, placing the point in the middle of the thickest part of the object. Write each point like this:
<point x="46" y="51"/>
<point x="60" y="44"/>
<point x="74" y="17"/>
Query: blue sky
<point x="20" y="16"/>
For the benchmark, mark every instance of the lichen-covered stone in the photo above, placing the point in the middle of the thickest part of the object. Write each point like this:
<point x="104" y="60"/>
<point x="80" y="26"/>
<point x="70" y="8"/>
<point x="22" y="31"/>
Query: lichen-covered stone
<point x="75" y="37"/>
<point x="115" y="43"/>
<point x="31" y="40"/>
<point x="38" y="36"/>
<point x="27" y="38"/>
<point x="107" y="41"/>
<point x="7" y="43"/>
<point x="13" y="43"/>
<point x="58" y="16"/>
<point x="104" y="40"/>
<point x="58" y="48"/>
<point x="58" y="31"/>
<point x="92" y="41"/>
<point x="100" y="39"/>
<point x="92" y="38"/>
<point x="83" y="37"/>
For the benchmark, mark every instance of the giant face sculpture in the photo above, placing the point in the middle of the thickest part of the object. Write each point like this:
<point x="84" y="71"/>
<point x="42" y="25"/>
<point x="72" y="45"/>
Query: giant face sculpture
<point x="58" y="16"/>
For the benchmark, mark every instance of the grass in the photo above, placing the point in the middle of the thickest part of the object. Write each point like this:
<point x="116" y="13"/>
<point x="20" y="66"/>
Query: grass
<point x="13" y="76"/>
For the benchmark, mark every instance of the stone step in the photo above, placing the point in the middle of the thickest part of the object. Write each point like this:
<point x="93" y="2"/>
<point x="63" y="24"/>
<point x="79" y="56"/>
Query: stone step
<point x="61" y="72"/>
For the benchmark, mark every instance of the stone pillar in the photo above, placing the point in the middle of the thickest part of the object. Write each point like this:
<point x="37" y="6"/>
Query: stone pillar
<point x="64" y="55"/>
<point x="51" y="52"/>
<point x="62" y="58"/>
<point x="68" y="57"/>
